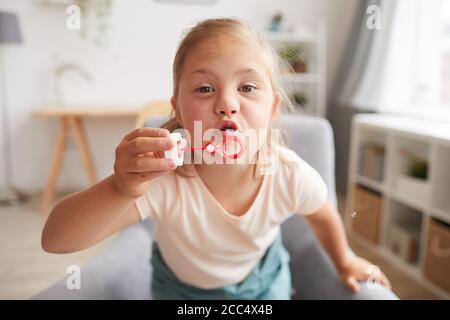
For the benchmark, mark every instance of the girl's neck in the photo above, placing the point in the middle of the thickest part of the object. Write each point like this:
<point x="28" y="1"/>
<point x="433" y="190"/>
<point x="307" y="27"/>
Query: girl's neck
<point x="227" y="174"/>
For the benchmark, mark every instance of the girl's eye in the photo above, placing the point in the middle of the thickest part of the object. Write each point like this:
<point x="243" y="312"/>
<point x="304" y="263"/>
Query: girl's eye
<point x="205" y="89"/>
<point x="247" y="88"/>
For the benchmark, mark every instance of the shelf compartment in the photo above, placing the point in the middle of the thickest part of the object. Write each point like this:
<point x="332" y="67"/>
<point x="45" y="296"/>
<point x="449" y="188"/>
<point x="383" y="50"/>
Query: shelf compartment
<point x="441" y="181"/>
<point x="371" y="163"/>
<point x="403" y="231"/>
<point x="403" y="183"/>
<point x="369" y="183"/>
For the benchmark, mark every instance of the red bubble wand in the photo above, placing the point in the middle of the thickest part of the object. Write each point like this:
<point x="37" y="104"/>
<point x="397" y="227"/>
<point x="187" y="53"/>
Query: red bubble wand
<point x="211" y="147"/>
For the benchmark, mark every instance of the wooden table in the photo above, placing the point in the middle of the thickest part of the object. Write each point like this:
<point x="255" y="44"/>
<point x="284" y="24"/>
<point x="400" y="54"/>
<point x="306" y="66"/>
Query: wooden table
<point x="72" y="117"/>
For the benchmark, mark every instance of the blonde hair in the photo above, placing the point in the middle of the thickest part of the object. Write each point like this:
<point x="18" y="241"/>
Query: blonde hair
<point x="231" y="27"/>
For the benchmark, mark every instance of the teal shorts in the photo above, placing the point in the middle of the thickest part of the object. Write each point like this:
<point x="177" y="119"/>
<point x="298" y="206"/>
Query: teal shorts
<point x="270" y="279"/>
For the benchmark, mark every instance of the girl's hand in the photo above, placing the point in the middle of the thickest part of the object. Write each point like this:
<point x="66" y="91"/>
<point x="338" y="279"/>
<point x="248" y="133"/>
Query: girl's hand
<point x="358" y="269"/>
<point x="139" y="158"/>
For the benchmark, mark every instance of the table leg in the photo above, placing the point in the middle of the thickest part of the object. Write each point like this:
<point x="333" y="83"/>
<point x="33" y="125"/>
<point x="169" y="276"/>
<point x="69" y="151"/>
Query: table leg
<point x="86" y="156"/>
<point x="58" y="156"/>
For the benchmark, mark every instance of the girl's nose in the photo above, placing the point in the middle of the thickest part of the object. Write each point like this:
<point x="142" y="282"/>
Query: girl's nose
<point x="227" y="111"/>
<point x="227" y="106"/>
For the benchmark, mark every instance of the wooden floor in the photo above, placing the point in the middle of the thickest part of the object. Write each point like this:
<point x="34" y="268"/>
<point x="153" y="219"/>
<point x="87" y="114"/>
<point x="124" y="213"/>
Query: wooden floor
<point x="25" y="269"/>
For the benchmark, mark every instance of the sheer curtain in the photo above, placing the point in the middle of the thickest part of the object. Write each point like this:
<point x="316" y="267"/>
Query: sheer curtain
<point x="393" y="69"/>
<point x="397" y="66"/>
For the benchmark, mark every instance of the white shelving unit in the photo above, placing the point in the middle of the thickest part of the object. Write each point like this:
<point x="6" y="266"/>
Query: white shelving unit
<point x="427" y="140"/>
<point x="313" y="82"/>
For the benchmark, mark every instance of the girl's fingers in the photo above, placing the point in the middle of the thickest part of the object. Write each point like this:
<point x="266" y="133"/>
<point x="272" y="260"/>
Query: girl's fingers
<point x="146" y="132"/>
<point x="144" y="145"/>
<point x="159" y="154"/>
<point x="377" y="277"/>
<point x="385" y="281"/>
<point x="148" y="154"/>
<point x="145" y="164"/>
<point x="145" y="176"/>
<point x="352" y="283"/>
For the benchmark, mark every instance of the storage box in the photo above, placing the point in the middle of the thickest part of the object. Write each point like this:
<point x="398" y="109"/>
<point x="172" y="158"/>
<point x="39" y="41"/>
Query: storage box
<point x="403" y="242"/>
<point x="437" y="260"/>
<point x="367" y="206"/>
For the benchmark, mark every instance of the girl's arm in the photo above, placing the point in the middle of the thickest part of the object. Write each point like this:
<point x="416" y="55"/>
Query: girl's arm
<point x="84" y="218"/>
<point x="329" y="229"/>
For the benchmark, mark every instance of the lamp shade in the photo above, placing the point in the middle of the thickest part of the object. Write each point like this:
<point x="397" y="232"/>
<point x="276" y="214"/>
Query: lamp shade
<point x="9" y="28"/>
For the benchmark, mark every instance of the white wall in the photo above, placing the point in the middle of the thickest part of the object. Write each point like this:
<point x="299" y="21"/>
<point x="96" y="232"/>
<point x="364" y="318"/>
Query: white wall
<point x="134" y="68"/>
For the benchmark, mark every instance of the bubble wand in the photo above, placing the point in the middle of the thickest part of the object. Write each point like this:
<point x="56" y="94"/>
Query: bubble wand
<point x="177" y="152"/>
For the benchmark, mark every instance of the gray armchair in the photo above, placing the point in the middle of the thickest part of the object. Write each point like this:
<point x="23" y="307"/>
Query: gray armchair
<point x="123" y="271"/>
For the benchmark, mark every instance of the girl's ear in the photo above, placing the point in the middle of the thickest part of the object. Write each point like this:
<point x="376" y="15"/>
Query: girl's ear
<point x="173" y="102"/>
<point x="276" y="104"/>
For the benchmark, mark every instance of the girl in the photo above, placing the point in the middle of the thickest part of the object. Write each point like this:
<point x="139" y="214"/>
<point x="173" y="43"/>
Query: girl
<point x="217" y="225"/>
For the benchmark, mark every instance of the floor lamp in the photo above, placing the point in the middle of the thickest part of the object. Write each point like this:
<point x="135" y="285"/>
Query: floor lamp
<point x="9" y="34"/>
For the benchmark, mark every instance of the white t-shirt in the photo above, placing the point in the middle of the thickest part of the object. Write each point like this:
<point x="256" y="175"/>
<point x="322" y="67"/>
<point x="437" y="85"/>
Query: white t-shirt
<point x="208" y="247"/>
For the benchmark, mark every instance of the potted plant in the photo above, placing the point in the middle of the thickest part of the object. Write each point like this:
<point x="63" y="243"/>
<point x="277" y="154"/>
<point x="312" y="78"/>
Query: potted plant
<point x="414" y="180"/>
<point x="294" y="55"/>
<point x="299" y="99"/>
<point x="99" y="11"/>
<point x="418" y="168"/>
<point x="275" y="24"/>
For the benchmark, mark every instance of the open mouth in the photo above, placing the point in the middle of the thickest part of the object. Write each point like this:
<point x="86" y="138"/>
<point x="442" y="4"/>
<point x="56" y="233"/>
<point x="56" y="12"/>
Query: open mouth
<point x="228" y="125"/>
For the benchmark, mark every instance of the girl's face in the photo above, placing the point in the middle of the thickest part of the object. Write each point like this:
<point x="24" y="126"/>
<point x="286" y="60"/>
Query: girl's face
<point x="225" y="79"/>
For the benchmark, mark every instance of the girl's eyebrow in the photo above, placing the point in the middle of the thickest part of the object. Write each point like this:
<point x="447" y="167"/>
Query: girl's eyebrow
<point x="201" y="71"/>
<point x="245" y="70"/>
<point x="237" y="72"/>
